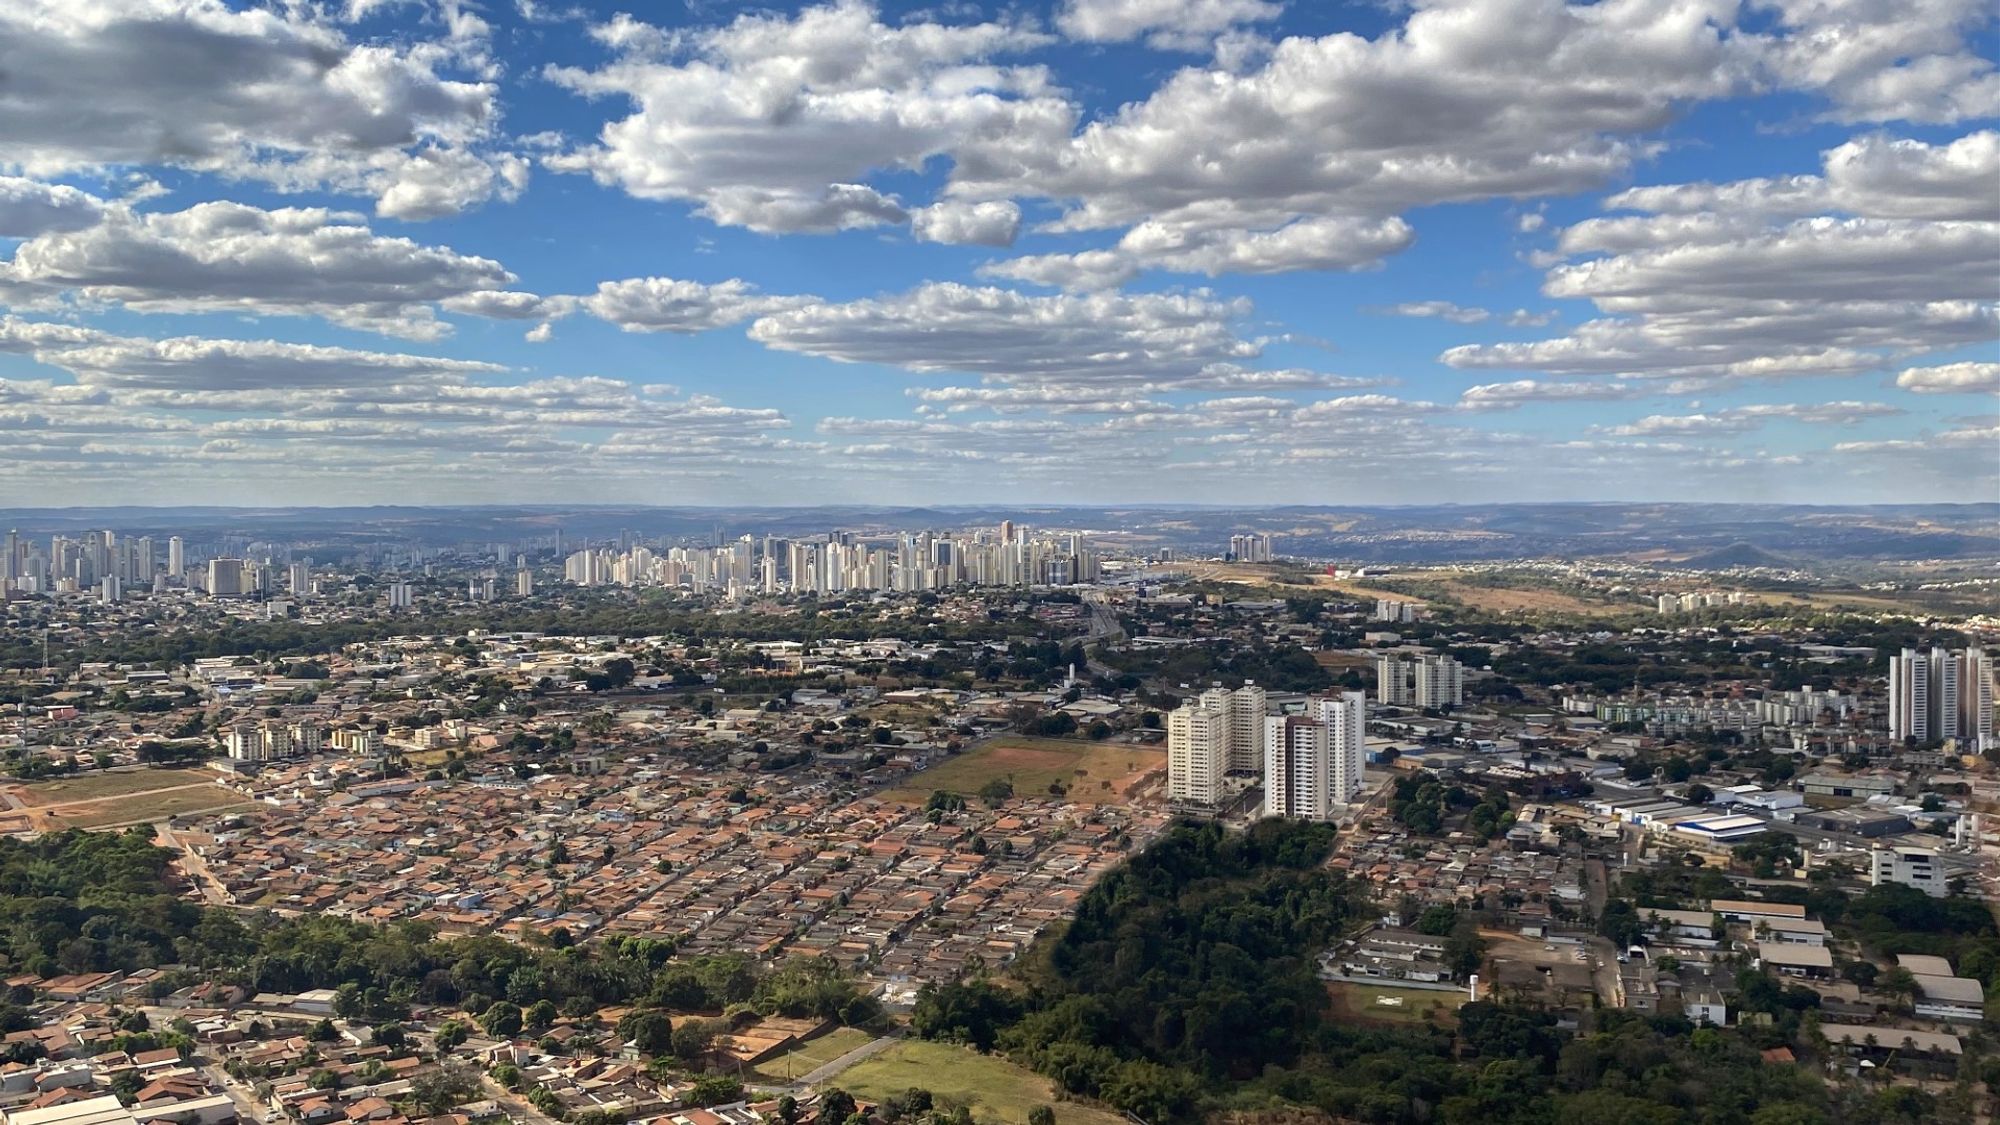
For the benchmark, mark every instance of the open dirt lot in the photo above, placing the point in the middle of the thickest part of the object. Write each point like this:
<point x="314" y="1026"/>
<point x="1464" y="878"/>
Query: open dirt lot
<point x="1096" y="772"/>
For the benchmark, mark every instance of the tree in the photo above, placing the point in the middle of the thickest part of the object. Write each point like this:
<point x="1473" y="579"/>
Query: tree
<point x="648" y="1030"/>
<point x="1464" y="948"/>
<point x="997" y="791"/>
<point x="502" y="1020"/>
<point x="716" y="1089"/>
<point x="324" y="1079"/>
<point x="835" y="1105"/>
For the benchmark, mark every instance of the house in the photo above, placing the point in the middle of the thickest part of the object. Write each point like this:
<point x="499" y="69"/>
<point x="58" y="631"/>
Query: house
<point x="1705" y="1005"/>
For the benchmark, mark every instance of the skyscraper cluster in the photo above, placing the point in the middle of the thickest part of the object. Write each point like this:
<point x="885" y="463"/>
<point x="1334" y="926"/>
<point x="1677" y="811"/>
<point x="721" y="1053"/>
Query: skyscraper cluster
<point x="1310" y="761"/>
<point x="1251" y="548"/>
<point x="1940" y="695"/>
<point x="1007" y="556"/>
<point x="1426" y="681"/>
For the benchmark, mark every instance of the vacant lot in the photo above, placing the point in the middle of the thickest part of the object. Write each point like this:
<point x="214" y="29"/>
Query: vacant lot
<point x="1098" y="772"/>
<point x="1367" y="1003"/>
<point x="1512" y="599"/>
<point x="140" y="808"/>
<point x="813" y="1054"/>
<point x="995" y="1090"/>
<point x="96" y="786"/>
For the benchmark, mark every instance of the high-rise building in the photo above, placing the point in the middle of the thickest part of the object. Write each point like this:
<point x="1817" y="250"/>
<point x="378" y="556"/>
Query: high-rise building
<point x="399" y="594"/>
<point x="524" y="582"/>
<point x="1345" y="717"/>
<point x="1427" y="681"/>
<point x="1975" y="694"/>
<point x="1298" y="779"/>
<point x="1246" y="709"/>
<point x="1910" y="697"/>
<point x="225" y="578"/>
<point x="1198" y="744"/>
<point x="176" y="558"/>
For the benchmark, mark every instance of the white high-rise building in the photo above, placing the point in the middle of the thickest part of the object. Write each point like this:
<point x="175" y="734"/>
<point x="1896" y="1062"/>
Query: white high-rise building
<point x="176" y="558"/>
<point x="524" y="582"/>
<point x="225" y="578"/>
<point x="1975" y="695"/>
<point x="1909" y="697"/>
<point x="1198" y="746"/>
<point x="1345" y="717"/>
<point x="399" y="594"/>
<point x="1428" y="681"/>
<point x="1945" y="703"/>
<point x="1246" y="706"/>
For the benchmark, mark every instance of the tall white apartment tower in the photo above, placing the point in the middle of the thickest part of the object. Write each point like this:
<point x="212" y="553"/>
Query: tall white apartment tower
<point x="1345" y="717"/>
<point x="176" y="558"/>
<point x="1975" y="697"/>
<point x="1944" y="699"/>
<point x="1909" y="697"/>
<point x="1198" y="743"/>
<point x="1298" y="778"/>
<point x="1247" y="712"/>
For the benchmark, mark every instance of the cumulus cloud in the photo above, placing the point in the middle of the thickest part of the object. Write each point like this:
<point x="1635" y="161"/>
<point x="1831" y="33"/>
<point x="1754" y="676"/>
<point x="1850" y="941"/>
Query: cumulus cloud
<point x="986" y="223"/>
<point x="1322" y="243"/>
<point x="1761" y="287"/>
<point x="1971" y="377"/>
<point x="29" y="208"/>
<point x="1520" y="392"/>
<point x="1015" y="338"/>
<point x="230" y="257"/>
<point x="1441" y="310"/>
<point x="1873" y="176"/>
<point x="665" y="304"/>
<point x="1742" y="419"/>
<point x="1173" y="25"/>
<point x="267" y="93"/>
<point x="774" y="122"/>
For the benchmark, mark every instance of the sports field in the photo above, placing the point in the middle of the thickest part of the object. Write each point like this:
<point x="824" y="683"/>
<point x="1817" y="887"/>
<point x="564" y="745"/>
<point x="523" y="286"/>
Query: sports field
<point x="1096" y="772"/>
<point x="98" y="785"/>
<point x="1367" y="1003"/>
<point x="995" y="1090"/>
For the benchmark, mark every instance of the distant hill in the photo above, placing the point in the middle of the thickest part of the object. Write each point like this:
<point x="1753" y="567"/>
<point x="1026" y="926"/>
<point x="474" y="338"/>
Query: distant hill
<point x="1736" y="554"/>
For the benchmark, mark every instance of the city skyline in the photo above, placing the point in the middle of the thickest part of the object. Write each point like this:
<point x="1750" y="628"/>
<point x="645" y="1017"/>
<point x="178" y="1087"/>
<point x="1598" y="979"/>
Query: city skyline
<point x="1081" y="251"/>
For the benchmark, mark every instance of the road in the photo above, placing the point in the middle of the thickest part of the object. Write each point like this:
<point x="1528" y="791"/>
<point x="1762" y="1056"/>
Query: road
<point x="820" y="1074"/>
<point x="1104" y="627"/>
<point x="197" y="867"/>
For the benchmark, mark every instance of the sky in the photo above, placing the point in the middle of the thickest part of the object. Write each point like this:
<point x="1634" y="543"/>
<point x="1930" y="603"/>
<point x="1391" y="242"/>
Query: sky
<point x="1087" y="251"/>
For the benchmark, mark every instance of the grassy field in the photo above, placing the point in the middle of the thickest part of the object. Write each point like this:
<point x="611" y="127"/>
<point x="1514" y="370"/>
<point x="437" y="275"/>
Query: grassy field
<point x="1365" y="1003"/>
<point x="98" y="786"/>
<point x="1095" y="771"/>
<point x="995" y="1090"/>
<point x="144" y="807"/>
<point x="813" y="1054"/>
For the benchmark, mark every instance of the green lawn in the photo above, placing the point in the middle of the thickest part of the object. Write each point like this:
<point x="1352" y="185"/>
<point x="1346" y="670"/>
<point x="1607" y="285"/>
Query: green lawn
<point x="1366" y="1003"/>
<point x="99" y="785"/>
<point x="997" y="1091"/>
<point x="812" y="1054"/>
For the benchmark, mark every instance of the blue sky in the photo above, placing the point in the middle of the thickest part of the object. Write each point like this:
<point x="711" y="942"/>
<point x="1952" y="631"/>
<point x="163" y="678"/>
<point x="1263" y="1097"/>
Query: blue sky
<point x="1089" y="251"/>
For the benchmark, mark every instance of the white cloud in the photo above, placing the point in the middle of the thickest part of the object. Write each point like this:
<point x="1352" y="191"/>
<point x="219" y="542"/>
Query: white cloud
<point x="1742" y="419"/>
<point x="665" y="304"/>
<point x="1441" y="310"/>
<point x="1913" y="61"/>
<point x="1179" y="25"/>
<point x="987" y="223"/>
<point x="189" y="363"/>
<point x="223" y="257"/>
<point x="1752" y="290"/>
<point x="1972" y="377"/>
<point x="774" y="123"/>
<point x="1871" y="176"/>
<point x="1011" y="337"/>
<point x="270" y="93"/>
<point x="29" y="208"/>
<point x="1508" y="396"/>
<point x="1323" y="243"/>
